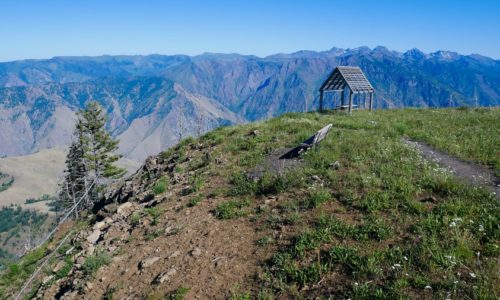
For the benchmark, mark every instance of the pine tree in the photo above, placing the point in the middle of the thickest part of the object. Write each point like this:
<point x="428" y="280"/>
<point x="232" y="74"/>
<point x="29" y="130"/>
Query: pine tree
<point x="98" y="145"/>
<point x="74" y="185"/>
<point x="90" y="159"/>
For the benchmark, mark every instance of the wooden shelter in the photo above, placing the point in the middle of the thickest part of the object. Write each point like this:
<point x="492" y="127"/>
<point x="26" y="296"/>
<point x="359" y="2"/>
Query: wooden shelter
<point x="347" y="77"/>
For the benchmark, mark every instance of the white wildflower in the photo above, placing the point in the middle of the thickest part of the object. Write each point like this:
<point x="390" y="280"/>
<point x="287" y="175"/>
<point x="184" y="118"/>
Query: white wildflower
<point x="472" y="275"/>
<point x="453" y="224"/>
<point x="481" y="227"/>
<point x="428" y="287"/>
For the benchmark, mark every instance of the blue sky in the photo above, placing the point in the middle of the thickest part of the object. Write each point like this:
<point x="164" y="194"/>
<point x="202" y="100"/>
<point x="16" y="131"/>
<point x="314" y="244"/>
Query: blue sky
<point x="43" y="29"/>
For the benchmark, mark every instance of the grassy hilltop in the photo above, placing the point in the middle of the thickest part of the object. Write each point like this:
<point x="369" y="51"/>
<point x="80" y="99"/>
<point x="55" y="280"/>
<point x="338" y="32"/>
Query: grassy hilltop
<point x="363" y="216"/>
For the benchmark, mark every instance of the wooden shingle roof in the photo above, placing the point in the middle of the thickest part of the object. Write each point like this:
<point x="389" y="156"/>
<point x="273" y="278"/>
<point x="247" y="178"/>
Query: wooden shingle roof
<point x="353" y="77"/>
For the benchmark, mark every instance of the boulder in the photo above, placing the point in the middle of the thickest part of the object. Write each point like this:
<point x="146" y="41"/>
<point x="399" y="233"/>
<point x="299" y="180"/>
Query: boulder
<point x="148" y="262"/>
<point x="94" y="237"/>
<point x="47" y="279"/>
<point x="195" y="252"/>
<point x="162" y="277"/>
<point x="80" y="260"/>
<point x="99" y="225"/>
<point x="175" y="254"/>
<point x="125" y="210"/>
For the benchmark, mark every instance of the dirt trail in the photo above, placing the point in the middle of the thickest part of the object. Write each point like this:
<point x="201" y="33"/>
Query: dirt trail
<point x="466" y="171"/>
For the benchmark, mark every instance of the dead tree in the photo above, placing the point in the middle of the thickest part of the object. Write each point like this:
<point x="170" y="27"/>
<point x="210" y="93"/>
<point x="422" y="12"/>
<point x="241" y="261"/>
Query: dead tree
<point x="181" y="123"/>
<point x="200" y="124"/>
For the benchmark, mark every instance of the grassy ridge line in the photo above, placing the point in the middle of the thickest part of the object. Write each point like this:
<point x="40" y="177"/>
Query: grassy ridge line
<point x="397" y="226"/>
<point x="471" y="134"/>
<point x="384" y="224"/>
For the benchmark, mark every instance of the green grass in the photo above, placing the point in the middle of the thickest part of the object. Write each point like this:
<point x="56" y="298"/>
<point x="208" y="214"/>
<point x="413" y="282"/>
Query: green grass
<point x="367" y="223"/>
<point x="160" y="186"/>
<point x="317" y="197"/>
<point x="95" y="261"/>
<point x="195" y="200"/>
<point x="472" y="134"/>
<point x="179" y="294"/>
<point x="154" y="213"/>
<point x="365" y="229"/>
<point x="64" y="271"/>
<point x="231" y="209"/>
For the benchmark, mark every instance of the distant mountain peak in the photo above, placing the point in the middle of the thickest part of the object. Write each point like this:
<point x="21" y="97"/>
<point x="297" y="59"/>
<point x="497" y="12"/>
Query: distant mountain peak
<point x="445" y="55"/>
<point x="415" y="53"/>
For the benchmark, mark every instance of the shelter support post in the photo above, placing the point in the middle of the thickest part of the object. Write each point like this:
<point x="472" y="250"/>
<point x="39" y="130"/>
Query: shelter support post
<point x="371" y="101"/>
<point x="350" y="101"/>
<point x="321" y="101"/>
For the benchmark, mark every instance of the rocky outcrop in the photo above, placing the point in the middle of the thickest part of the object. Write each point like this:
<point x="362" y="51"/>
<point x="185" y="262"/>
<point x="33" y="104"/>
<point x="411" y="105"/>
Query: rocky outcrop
<point x="112" y="229"/>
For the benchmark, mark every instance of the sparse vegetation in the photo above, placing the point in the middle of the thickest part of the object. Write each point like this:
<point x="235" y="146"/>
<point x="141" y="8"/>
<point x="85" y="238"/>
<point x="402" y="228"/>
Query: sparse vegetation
<point x="160" y="186"/>
<point x="6" y="181"/>
<point x="195" y="200"/>
<point x="64" y="271"/>
<point x="135" y="218"/>
<point x="44" y="197"/>
<point x="178" y="294"/>
<point x="155" y="213"/>
<point x="316" y="198"/>
<point x="231" y="209"/>
<point x="95" y="261"/>
<point x="12" y="278"/>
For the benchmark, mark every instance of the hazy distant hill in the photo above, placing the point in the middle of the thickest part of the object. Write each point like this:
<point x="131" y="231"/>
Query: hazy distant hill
<point x="147" y="95"/>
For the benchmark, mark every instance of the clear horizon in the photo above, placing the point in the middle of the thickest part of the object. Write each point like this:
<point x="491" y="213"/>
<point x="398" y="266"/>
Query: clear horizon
<point x="243" y="54"/>
<point x="32" y="29"/>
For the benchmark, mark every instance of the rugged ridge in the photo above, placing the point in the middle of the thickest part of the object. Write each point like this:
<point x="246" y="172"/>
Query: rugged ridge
<point x="144" y="95"/>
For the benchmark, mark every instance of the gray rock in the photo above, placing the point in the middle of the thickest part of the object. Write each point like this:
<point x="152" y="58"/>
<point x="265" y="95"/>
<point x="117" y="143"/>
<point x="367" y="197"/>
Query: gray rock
<point x="335" y="165"/>
<point x="94" y="237"/>
<point x="196" y="252"/>
<point x="80" y="260"/>
<point x="99" y="225"/>
<point x="315" y="178"/>
<point x="125" y="209"/>
<point x="175" y="254"/>
<point x="162" y="277"/>
<point x="47" y="279"/>
<point x="148" y="262"/>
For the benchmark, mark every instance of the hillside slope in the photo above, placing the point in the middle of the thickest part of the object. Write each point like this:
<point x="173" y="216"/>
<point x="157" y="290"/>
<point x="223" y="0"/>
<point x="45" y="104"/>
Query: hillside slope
<point x="362" y="216"/>
<point x="144" y="95"/>
<point x="39" y="174"/>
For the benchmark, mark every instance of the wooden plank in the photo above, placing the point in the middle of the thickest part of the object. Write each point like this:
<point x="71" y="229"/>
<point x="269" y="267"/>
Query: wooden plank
<point x="321" y="134"/>
<point x="307" y="144"/>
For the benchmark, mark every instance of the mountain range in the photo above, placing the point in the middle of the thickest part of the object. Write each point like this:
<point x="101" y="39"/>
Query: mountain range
<point x="153" y="101"/>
